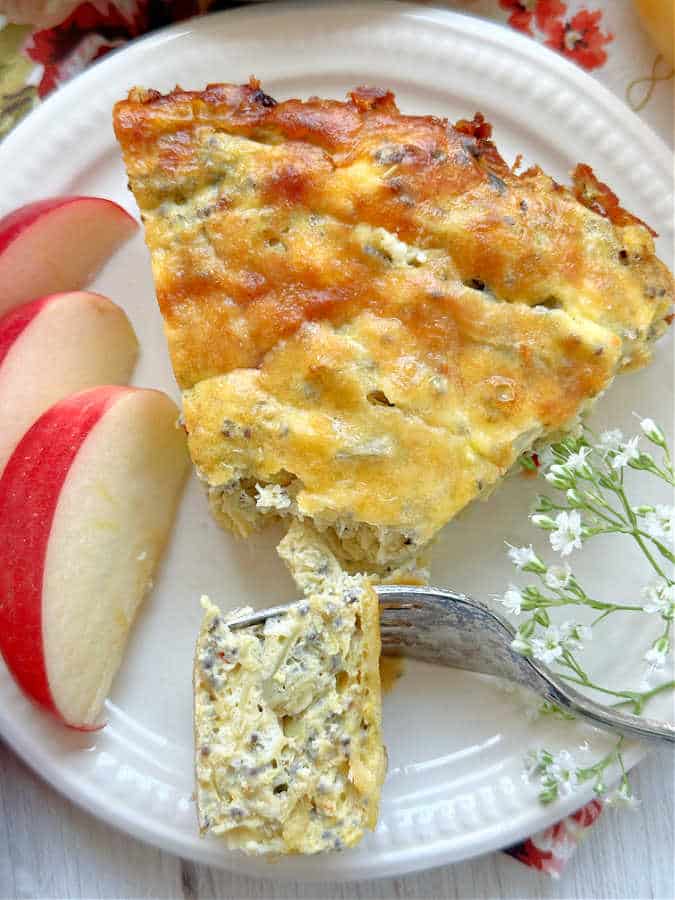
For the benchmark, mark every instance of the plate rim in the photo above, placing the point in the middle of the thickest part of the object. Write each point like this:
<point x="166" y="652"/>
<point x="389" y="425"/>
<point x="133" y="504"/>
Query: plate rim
<point x="464" y="23"/>
<point x="476" y="25"/>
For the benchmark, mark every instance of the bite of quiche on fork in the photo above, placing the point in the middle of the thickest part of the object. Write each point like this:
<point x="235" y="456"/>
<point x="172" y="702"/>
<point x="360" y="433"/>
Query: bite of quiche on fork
<point x="370" y="314"/>
<point x="287" y="714"/>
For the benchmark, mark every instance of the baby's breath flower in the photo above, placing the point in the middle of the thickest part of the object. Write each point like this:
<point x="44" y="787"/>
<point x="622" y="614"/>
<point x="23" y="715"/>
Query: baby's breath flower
<point x="572" y="636"/>
<point x="544" y="504"/>
<point x="557" y="772"/>
<point x="560" y="476"/>
<point x="567" y="534"/>
<point x="656" y="655"/>
<point x="659" y="597"/>
<point x="653" y="526"/>
<point x="594" y="500"/>
<point x="652" y="432"/>
<point x="626" y="452"/>
<point x="558" y="577"/>
<point x="611" y="440"/>
<point x="623" y="796"/>
<point x="643" y="510"/>
<point x="667" y="516"/>
<point x="533" y="595"/>
<point x="512" y="600"/>
<point x="658" y="523"/>
<point x="525" y="559"/>
<point x="542" y="521"/>
<point x="551" y="643"/>
<point x="563" y="770"/>
<point x="521" y="645"/>
<point x="577" y="462"/>
<point x="575" y="499"/>
<point x="548" y="647"/>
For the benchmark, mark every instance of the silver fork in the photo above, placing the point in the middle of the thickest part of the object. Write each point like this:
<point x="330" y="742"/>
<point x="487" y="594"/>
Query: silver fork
<point x="453" y="630"/>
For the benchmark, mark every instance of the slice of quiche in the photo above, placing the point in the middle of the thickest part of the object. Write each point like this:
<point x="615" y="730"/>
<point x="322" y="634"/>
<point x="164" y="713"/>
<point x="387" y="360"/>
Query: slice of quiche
<point x="289" y="755"/>
<point x="371" y="314"/>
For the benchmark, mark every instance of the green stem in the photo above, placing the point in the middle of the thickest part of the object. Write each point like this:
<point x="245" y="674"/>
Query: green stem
<point x="593" y="604"/>
<point x="661" y="547"/>
<point x="614" y="519"/>
<point x="640" y="700"/>
<point x="601" y="617"/>
<point x="600" y="766"/>
<point x="636" y="534"/>
<point x="574" y="665"/>
<point x="633" y="532"/>
<point x="628" y="696"/>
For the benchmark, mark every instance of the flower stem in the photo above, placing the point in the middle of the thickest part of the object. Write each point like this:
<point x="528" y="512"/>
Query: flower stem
<point x="636" y="534"/>
<point x="628" y="696"/>
<point x="640" y="700"/>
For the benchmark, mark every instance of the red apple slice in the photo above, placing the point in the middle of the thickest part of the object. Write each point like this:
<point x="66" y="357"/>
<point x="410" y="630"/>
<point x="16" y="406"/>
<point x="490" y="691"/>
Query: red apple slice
<point x="57" y="245"/>
<point x="86" y="506"/>
<point x="53" y="347"/>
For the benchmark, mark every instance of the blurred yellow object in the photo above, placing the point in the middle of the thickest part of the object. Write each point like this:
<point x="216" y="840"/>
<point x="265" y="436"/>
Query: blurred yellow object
<point x="659" y="21"/>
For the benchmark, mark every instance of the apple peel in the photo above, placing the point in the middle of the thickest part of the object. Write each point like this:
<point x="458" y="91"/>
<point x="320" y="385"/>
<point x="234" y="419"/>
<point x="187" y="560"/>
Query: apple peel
<point x="86" y="506"/>
<point x="56" y="346"/>
<point x="58" y="244"/>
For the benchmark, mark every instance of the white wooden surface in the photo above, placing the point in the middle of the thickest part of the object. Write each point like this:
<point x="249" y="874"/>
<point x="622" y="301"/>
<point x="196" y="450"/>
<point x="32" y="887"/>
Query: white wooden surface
<point x="51" y="849"/>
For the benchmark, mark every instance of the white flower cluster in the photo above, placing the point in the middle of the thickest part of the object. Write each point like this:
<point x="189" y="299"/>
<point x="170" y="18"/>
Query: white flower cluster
<point x="557" y="772"/>
<point x="566" y="530"/>
<point x="525" y="559"/>
<point x="620" y="451"/>
<point x="658" y="521"/>
<point x="652" y="432"/>
<point x="659" y="597"/>
<point x="558" y="577"/>
<point x="560" y="774"/>
<point x="623" y="796"/>
<point x="593" y="501"/>
<point x="657" y="655"/>
<point x="553" y="641"/>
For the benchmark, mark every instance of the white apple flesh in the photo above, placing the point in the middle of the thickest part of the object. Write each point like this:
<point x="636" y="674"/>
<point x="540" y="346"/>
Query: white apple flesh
<point x="57" y="245"/>
<point x="53" y="347"/>
<point x="86" y="506"/>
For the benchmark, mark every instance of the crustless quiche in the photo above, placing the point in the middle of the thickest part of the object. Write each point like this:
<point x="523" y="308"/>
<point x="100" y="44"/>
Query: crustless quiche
<point x="371" y="314"/>
<point x="289" y="755"/>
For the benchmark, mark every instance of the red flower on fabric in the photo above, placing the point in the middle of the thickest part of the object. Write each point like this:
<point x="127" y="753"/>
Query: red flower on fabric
<point x="580" y="39"/>
<point x="548" y="850"/>
<point x="90" y="31"/>
<point x="530" y="855"/>
<point x="524" y="11"/>
<point x="588" y="814"/>
<point x="94" y="28"/>
<point x="547" y="11"/>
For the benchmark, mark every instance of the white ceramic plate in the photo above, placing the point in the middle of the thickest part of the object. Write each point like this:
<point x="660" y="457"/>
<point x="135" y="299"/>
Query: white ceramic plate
<point x="456" y="741"/>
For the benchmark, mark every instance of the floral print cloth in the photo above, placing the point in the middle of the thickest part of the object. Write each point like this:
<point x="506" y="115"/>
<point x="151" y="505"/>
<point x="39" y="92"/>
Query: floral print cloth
<point x="604" y="37"/>
<point x="45" y="43"/>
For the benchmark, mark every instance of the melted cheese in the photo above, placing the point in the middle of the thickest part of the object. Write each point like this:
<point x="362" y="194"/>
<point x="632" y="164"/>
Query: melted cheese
<point x="371" y="310"/>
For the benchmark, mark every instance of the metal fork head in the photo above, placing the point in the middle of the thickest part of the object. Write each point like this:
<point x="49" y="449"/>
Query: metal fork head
<point x="453" y="630"/>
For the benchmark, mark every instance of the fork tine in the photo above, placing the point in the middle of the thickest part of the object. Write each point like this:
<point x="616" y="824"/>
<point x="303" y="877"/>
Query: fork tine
<point x="451" y="630"/>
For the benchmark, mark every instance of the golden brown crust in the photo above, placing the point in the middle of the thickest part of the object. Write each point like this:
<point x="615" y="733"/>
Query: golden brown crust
<point x="411" y="310"/>
<point x="360" y="161"/>
<point x="599" y="197"/>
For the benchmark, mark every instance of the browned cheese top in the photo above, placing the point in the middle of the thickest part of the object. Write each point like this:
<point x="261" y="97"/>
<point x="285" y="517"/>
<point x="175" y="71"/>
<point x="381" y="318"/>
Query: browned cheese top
<point x="382" y="307"/>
